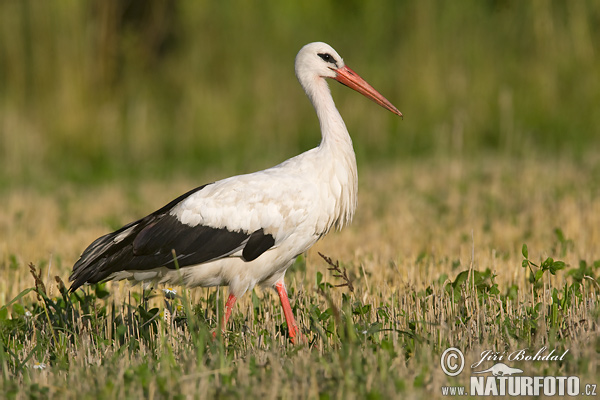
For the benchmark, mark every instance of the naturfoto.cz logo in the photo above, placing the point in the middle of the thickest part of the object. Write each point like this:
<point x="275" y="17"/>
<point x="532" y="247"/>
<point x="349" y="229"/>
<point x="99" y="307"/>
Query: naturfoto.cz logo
<point x="501" y="379"/>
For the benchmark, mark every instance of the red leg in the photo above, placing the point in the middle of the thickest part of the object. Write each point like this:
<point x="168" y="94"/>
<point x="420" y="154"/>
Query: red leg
<point x="287" y="311"/>
<point x="228" y="308"/>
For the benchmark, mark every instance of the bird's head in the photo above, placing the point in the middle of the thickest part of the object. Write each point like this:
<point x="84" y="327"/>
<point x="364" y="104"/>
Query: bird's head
<point x="319" y="60"/>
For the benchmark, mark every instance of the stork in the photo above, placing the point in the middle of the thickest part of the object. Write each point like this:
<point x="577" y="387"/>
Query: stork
<point x="247" y="230"/>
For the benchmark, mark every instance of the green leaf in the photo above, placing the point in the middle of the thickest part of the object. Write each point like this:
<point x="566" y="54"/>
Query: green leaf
<point x="547" y="263"/>
<point x="101" y="291"/>
<point x="319" y="278"/>
<point x="460" y="279"/>
<point x="360" y="309"/>
<point x="23" y="293"/>
<point x="255" y="301"/>
<point x="325" y="315"/>
<point x="557" y="266"/>
<point x="3" y="314"/>
<point x="524" y="251"/>
<point x="18" y="309"/>
<point x="525" y="263"/>
<point x="538" y="274"/>
<point x="555" y="297"/>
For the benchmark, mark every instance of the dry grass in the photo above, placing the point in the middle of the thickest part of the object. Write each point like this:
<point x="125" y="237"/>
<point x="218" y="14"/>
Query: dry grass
<point x="443" y="209"/>
<point x="94" y="91"/>
<point x="418" y="222"/>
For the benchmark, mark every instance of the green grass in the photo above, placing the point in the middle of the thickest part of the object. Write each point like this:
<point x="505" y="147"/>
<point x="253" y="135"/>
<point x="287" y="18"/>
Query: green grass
<point x="108" y="110"/>
<point x="442" y="253"/>
<point x="95" y="347"/>
<point x="95" y="91"/>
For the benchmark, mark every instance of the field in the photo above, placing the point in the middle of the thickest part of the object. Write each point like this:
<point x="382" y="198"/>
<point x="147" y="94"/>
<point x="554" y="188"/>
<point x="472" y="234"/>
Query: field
<point x="479" y="213"/>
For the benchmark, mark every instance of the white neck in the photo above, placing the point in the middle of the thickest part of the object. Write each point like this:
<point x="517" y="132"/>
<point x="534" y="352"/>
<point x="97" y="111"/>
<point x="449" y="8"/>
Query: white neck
<point x="336" y="151"/>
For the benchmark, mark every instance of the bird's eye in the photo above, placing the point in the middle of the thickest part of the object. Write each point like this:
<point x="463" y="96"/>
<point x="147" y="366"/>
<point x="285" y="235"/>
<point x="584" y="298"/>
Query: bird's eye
<point x="327" y="58"/>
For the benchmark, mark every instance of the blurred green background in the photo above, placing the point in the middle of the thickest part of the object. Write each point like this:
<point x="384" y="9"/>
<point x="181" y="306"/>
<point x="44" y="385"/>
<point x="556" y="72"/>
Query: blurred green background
<point x="93" y="91"/>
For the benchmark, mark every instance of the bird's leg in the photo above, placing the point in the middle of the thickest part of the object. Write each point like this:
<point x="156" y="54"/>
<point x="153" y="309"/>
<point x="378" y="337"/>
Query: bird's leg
<point x="228" y="308"/>
<point x="287" y="311"/>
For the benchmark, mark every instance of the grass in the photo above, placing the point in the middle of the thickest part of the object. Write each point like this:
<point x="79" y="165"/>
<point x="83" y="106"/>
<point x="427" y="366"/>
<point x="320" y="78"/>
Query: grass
<point x="98" y="91"/>
<point x="478" y="222"/>
<point x="435" y="255"/>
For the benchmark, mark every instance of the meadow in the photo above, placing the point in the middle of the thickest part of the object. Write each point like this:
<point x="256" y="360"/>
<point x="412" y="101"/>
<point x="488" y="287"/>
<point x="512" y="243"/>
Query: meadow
<point x="479" y="213"/>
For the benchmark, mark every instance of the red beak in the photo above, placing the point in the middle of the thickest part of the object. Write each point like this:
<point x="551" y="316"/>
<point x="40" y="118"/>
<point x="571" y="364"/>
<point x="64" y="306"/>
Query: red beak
<point x="351" y="79"/>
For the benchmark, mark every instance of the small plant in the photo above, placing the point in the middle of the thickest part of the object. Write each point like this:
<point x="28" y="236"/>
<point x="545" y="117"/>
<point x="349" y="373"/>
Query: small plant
<point x="340" y="273"/>
<point x="482" y="282"/>
<point x="586" y="272"/>
<point x="562" y="242"/>
<point x="537" y="271"/>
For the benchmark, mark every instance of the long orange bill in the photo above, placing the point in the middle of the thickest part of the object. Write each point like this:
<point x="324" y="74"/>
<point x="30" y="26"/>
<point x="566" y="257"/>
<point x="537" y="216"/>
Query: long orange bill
<point x="351" y="79"/>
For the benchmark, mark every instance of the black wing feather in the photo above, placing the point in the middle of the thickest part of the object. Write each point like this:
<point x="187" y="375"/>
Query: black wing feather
<point x="151" y="241"/>
<point x="257" y="244"/>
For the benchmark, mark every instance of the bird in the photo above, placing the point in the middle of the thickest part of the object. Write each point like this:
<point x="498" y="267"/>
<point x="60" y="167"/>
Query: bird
<point x="247" y="230"/>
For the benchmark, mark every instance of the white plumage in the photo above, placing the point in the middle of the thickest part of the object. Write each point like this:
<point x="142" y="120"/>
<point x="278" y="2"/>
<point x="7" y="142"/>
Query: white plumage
<point x="248" y="229"/>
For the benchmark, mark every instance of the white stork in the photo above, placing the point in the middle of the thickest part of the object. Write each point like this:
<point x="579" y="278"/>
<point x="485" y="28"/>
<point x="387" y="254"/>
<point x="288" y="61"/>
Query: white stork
<point x="248" y="229"/>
